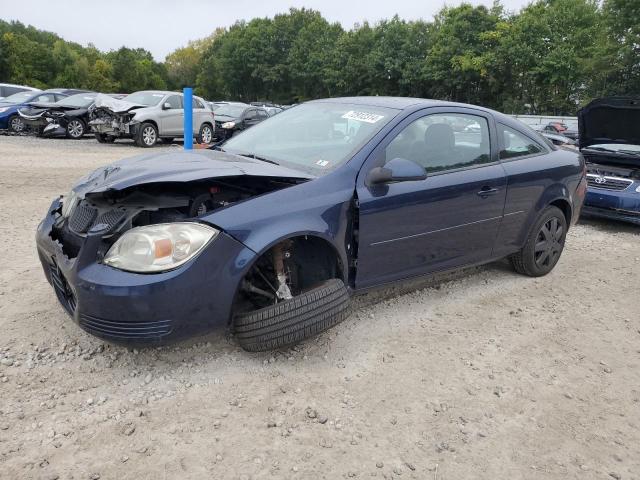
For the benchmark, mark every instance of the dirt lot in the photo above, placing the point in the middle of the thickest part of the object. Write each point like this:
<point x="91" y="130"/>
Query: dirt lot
<point x="487" y="376"/>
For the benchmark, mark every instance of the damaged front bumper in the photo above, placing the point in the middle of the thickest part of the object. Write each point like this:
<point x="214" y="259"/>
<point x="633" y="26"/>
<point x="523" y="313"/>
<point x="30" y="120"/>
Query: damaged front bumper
<point x="132" y="308"/>
<point x="114" y="126"/>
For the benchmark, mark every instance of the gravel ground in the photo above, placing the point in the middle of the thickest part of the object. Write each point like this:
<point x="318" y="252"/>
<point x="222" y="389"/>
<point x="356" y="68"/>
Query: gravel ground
<point x="487" y="375"/>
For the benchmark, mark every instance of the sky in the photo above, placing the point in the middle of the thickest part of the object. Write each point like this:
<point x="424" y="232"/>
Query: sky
<point x="161" y="26"/>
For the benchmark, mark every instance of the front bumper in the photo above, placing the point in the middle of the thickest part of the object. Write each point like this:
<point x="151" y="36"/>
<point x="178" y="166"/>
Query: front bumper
<point x="621" y="205"/>
<point x="114" y="128"/>
<point x="131" y="308"/>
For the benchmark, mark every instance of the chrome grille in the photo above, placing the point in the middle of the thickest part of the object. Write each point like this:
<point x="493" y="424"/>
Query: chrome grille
<point x="606" y="182"/>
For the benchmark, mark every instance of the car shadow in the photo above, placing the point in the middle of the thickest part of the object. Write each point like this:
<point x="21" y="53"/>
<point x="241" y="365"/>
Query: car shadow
<point x="609" y="226"/>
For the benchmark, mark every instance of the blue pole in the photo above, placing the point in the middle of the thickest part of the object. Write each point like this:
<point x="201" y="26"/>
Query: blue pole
<point x="188" y="118"/>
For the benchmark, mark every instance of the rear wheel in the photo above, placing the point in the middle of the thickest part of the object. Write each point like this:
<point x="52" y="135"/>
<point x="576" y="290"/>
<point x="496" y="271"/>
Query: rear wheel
<point x="544" y="244"/>
<point x="147" y="135"/>
<point x="293" y="320"/>
<point x="206" y="134"/>
<point x="102" y="138"/>
<point x="16" y="124"/>
<point x="75" y="129"/>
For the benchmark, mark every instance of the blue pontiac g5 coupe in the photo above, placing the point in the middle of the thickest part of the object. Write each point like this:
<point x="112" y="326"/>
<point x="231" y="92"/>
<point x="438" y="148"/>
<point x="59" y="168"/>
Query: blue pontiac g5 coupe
<point x="271" y="232"/>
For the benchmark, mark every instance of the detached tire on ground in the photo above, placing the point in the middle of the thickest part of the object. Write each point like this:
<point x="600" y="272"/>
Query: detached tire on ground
<point x="293" y="320"/>
<point x="544" y="246"/>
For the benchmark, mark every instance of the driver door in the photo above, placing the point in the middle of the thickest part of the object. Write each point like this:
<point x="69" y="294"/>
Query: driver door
<point x="447" y="220"/>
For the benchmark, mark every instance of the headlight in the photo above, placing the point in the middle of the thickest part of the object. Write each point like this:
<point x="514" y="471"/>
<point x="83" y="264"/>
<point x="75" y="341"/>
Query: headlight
<point x="638" y="189"/>
<point x="68" y="203"/>
<point x="156" y="248"/>
<point x="228" y="124"/>
<point x="4" y="109"/>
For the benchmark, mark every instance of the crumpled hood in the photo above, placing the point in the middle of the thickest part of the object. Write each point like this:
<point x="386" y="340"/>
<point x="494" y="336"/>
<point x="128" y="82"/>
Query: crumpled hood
<point x="179" y="166"/>
<point x="610" y="120"/>
<point x="115" y="105"/>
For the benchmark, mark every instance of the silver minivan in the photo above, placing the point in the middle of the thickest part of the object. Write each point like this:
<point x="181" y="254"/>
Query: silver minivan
<point x="148" y="117"/>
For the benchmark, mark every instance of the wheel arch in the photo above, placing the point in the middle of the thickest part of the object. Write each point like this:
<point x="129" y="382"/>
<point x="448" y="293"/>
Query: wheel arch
<point x="321" y="240"/>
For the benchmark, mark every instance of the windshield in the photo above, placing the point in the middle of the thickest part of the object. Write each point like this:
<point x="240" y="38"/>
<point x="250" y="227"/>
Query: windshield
<point x="148" y="99"/>
<point x="82" y="100"/>
<point x="315" y="137"/>
<point x="20" y="97"/>
<point x="233" y="111"/>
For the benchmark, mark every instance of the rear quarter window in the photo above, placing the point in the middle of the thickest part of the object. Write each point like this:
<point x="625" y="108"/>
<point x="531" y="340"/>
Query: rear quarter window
<point x="515" y="144"/>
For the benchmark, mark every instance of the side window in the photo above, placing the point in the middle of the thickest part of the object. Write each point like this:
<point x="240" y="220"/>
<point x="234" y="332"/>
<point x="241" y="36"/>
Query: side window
<point x="443" y="141"/>
<point x="197" y="103"/>
<point x="251" y="115"/>
<point x="262" y="114"/>
<point x="48" y="97"/>
<point x="516" y="144"/>
<point x="175" y="101"/>
<point x="11" y="90"/>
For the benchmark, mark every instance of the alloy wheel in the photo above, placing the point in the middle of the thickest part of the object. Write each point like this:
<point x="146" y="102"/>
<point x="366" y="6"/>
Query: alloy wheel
<point x="75" y="129"/>
<point x="17" y="125"/>
<point x="207" y="134"/>
<point x="149" y="135"/>
<point x="549" y="243"/>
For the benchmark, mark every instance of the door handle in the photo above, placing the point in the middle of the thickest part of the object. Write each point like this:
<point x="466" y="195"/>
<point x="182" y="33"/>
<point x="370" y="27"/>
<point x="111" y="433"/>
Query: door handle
<point x="487" y="190"/>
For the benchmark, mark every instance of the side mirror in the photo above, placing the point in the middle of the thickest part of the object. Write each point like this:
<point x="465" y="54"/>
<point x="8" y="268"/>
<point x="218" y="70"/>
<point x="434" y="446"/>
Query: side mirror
<point x="397" y="170"/>
<point x="166" y="106"/>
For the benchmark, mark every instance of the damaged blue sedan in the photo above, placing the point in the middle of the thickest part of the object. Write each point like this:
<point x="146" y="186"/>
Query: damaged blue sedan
<point x="271" y="232"/>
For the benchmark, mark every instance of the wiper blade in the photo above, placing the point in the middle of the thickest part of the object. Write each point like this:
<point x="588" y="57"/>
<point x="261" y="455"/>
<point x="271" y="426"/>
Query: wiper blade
<point x="611" y="150"/>
<point x="630" y="152"/>
<point x="256" y="157"/>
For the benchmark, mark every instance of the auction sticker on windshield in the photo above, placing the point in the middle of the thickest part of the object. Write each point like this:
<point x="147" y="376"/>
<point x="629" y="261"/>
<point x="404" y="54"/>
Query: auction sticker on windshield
<point x="363" y="116"/>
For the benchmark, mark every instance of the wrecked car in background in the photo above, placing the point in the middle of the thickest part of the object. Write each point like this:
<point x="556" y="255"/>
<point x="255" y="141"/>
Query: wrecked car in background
<point x="271" y="232"/>
<point x="148" y="117"/>
<point x="9" y="117"/>
<point x="610" y="142"/>
<point x="67" y="117"/>
<point x="233" y="118"/>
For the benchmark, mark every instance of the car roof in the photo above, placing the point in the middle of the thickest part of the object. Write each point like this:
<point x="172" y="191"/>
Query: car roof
<point x="32" y="89"/>
<point x="404" y="103"/>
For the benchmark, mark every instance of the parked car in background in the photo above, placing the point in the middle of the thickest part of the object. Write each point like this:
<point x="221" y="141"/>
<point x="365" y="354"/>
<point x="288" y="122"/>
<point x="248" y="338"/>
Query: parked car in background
<point x="560" y="140"/>
<point x="271" y="232"/>
<point x="67" y="117"/>
<point x="148" y="117"/>
<point x="9" y="117"/>
<point x="233" y="118"/>
<point x="8" y="89"/>
<point x="610" y="142"/>
<point x="216" y="105"/>
<point x="273" y="110"/>
<point x="560" y="128"/>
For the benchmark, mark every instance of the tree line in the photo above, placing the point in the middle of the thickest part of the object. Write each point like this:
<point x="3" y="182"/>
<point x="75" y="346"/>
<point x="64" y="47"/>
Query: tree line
<point x="548" y="58"/>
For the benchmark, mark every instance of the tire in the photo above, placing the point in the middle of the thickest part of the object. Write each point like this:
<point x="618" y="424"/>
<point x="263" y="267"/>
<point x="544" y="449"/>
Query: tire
<point x="147" y="135"/>
<point x="75" y="129"/>
<point x="16" y="124"/>
<point x="206" y="134"/>
<point x="102" y="138"/>
<point x="293" y="320"/>
<point x="544" y="245"/>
